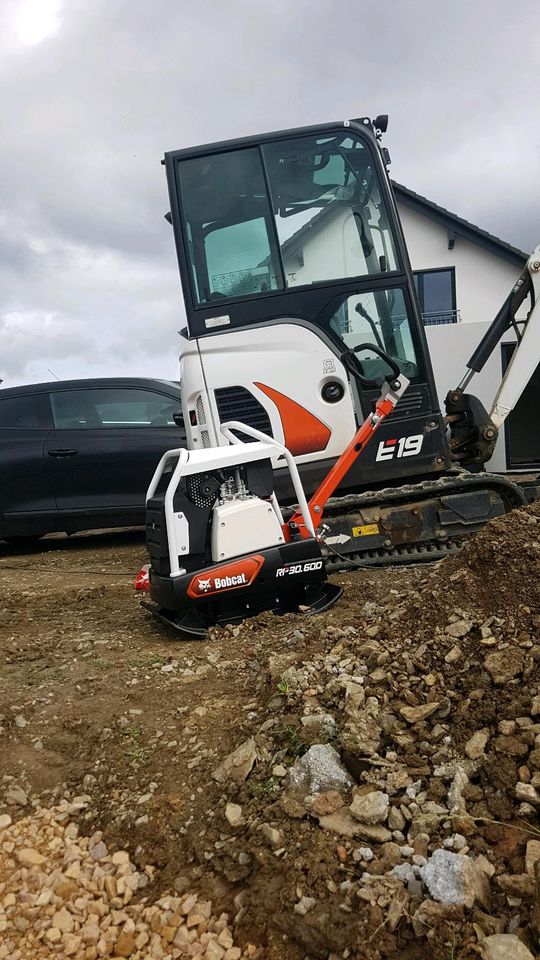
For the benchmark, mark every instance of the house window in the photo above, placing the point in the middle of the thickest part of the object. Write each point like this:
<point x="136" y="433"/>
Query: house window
<point x="437" y="295"/>
<point x="521" y="433"/>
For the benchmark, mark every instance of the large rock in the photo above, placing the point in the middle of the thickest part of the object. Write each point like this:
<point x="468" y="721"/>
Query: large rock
<point x="453" y="878"/>
<point x="414" y="714"/>
<point x="272" y="835"/>
<point x="505" y="946"/>
<point x="429" y="915"/>
<point x="396" y="820"/>
<point x="328" y="802"/>
<point x="455" y="798"/>
<point x="319" y="724"/>
<point x="28" y="857"/>
<point x="16" y="796"/>
<point x="458" y="629"/>
<point x="341" y="822"/>
<point x="371" y="808"/>
<point x="238" y="765"/>
<point x="517" y="885"/>
<point x="320" y="769"/>
<point x="474" y="748"/>
<point x="99" y="851"/>
<point x="528" y="793"/>
<point x="233" y="815"/>
<point x="125" y="945"/>
<point x="362" y="719"/>
<point x="63" y="920"/>
<point x="304" y="905"/>
<point x="532" y="856"/>
<point x="504" y="665"/>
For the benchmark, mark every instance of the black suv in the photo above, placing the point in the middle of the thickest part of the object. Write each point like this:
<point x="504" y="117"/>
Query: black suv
<point x="79" y="454"/>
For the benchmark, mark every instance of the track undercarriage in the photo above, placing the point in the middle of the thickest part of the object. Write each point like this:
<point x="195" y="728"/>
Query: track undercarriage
<point x="419" y="522"/>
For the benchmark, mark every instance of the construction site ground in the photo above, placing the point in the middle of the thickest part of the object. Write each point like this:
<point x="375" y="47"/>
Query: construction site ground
<point x="424" y="679"/>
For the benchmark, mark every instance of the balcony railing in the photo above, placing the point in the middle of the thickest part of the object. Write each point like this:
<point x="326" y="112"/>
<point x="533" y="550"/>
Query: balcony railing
<point x="437" y="317"/>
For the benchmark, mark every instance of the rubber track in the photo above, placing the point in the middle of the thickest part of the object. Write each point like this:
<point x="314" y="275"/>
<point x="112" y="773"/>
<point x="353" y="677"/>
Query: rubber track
<point x="459" y="481"/>
<point x="426" y="552"/>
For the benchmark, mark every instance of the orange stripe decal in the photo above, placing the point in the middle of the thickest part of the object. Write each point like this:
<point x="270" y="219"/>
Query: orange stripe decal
<point x="303" y="432"/>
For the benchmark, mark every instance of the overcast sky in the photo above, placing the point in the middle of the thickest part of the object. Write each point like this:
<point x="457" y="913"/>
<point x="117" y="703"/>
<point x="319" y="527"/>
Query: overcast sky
<point x="92" y="92"/>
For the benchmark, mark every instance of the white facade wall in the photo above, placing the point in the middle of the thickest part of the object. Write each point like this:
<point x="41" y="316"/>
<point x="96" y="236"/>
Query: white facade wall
<point x="483" y="280"/>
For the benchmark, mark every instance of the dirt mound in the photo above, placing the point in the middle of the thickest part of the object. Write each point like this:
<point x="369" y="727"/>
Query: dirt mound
<point x="498" y="570"/>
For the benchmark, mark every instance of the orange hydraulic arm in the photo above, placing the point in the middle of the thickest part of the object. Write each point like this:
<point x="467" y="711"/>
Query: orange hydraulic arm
<point x="392" y="390"/>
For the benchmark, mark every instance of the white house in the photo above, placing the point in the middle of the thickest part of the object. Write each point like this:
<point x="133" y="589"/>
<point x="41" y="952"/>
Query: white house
<point x="481" y="269"/>
<point x="464" y="274"/>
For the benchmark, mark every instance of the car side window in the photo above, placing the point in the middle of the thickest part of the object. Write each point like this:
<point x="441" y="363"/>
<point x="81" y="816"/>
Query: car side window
<point x="109" y="407"/>
<point x="23" y="413"/>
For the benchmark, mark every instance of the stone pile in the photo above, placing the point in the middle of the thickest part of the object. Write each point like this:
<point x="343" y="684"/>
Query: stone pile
<point x="409" y="738"/>
<point x="64" y="895"/>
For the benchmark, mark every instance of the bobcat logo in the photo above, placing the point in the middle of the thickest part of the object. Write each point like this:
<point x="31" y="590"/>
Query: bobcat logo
<point x="204" y="585"/>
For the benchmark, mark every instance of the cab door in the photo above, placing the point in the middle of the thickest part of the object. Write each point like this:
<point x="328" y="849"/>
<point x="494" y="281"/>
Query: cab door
<point x="103" y="449"/>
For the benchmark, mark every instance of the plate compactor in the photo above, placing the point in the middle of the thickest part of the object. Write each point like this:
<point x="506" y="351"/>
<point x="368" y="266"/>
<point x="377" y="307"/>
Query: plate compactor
<point x="220" y="546"/>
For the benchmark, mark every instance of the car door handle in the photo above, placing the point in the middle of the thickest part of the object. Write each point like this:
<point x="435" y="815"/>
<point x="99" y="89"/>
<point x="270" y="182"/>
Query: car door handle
<point x="62" y="453"/>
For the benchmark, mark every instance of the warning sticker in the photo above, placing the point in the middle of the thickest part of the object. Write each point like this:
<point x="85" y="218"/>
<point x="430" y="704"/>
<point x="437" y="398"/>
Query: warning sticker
<point x="368" y="530"/>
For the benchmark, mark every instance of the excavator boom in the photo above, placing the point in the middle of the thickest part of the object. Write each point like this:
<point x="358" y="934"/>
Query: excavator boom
<point x="525" y="358"/>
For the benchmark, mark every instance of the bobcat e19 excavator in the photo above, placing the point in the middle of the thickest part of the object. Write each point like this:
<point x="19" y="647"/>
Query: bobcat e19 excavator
<point x="303" y="335"/>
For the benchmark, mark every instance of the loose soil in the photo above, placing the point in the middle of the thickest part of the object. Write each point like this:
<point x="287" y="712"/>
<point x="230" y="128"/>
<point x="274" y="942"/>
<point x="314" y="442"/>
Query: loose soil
<point x="97" y="698"/>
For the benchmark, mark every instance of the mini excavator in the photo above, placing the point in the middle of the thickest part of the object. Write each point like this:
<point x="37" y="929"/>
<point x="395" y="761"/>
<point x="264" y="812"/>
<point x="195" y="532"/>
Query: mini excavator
<point x="315" y="441"/>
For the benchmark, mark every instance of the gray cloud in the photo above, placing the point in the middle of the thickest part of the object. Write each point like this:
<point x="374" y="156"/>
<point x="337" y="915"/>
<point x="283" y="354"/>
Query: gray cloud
<point x="88" y="274"/>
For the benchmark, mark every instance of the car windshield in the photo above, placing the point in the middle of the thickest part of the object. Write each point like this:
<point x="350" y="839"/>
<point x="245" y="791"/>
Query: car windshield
<point x="285" y="214"/>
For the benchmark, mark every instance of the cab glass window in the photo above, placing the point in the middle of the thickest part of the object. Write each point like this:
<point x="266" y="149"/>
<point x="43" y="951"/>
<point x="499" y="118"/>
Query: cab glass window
<point x="23" y="413"/>
<point x="109" y="407"/>
<point x="330" y="216"/>
<point x="380" y="318"/>
<point x="230" y="234"/>
<point x="283" y="214"/>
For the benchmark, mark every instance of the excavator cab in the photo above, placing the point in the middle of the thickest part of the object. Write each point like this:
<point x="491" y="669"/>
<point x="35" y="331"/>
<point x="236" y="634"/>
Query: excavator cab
<point x="291" y="254"/>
